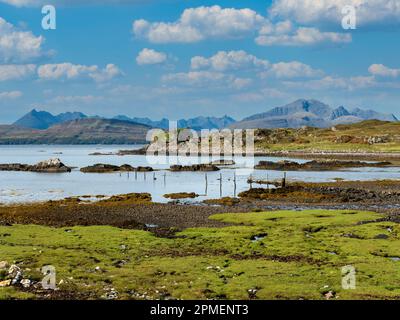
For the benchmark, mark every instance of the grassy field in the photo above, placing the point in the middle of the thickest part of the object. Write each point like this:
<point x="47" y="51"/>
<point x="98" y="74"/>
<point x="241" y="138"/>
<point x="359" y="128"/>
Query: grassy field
<point x="347" y="138"/>
<point x="263" y="255"/>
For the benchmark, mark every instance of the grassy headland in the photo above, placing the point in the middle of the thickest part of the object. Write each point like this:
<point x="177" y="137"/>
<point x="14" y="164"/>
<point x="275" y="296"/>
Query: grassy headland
<point x="367" y="136"/>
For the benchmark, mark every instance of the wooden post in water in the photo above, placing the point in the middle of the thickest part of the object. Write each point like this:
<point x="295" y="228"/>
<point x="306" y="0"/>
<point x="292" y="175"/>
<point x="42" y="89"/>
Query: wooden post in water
<point x="206" y="183"/>
<point x="267" y="182"/>
<point x="284" y="180"/>
<point x="135" y="174"/>
<point x="220" y="184"/>
<point x="234" y="184"/>
<point x="144" y="175"/>
<point x="251" y="181"/>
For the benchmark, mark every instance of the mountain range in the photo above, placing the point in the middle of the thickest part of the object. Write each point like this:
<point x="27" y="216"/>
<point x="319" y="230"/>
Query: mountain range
<point x="43" y="120"/>
<point x="312" y="113"/>
<point x="197" y="123"/>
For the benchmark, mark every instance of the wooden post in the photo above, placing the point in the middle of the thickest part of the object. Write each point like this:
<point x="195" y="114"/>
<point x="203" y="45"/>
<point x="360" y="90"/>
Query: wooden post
<point x="220" y="184"/>
<point x="135" y="174"/>
<point x="251" y="181"/>
<point x="234" y="184"/>
<point x="284" y="180"/>
<point x="206" y="183"/>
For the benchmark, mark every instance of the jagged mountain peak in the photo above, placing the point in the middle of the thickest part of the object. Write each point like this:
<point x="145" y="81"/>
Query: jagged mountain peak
<point x="309" y="112"/>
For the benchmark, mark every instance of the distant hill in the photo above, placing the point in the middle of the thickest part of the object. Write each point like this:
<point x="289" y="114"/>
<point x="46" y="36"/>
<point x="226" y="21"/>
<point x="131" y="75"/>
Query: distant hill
<point x="81" y="131"/>
<point x="312" y="113"/>
<point x="43" y="119"/>
<point x="197" y="123"/>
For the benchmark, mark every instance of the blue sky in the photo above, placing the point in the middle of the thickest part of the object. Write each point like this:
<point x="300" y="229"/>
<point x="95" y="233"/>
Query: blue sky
<point x="180" y="59"/>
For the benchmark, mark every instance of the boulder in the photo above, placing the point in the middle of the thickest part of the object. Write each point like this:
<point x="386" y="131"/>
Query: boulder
<point x="5" y="283"/>
<point x="100" y="168"/>
<point x="104" y="168"/>
<point x="4" y="265"/>
<point x="181" y="195"/>
<point x="50" y="166"/>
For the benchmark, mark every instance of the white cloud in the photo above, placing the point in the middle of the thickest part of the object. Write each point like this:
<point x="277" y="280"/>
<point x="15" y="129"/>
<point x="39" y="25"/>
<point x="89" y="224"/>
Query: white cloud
<point x="69" y="71"/>
<point x="10" y="94"/>
<point x="110" y="72"/>
<point x="206" y="79"/>
<point x="293" y="69"/>
<point x="36" y="3"/>
<point x="261" y="95"/>
<point x="76" y="99"/>
<point x="329" y="82"/>
<point x="195" y="78"/>
<point x="232" y="60"/>
<point x="17" y="45"/>
<point x="299" y="37"/>
<point x="150" y="56"/>
<point x="240" y="83"/>
<point x="196" y="24"/>
<point x="383" y="71"/>
<point x="16" y="72"/>
<point x="310" y="12"/>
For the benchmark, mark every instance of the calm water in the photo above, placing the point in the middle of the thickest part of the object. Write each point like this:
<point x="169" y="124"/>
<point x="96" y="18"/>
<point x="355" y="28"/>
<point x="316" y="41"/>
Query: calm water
<point x="29" y="186"/>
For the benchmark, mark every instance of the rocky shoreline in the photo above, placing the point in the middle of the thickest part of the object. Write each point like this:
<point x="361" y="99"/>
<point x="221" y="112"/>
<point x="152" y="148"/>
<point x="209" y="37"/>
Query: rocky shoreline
<point x="317" y="165"/>
<point x="137" y="210"/>
<point x="299" y="154"/>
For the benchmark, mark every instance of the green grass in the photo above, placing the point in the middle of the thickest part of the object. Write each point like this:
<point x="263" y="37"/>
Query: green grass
<point x="301" y="256"/>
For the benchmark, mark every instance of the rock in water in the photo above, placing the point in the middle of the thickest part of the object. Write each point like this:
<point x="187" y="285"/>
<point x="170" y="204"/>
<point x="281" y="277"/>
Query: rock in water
<point x="52" y="165"/>
<point x="195" y="167"/>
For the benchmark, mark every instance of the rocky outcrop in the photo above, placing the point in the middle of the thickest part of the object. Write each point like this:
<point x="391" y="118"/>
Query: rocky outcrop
<point x="195" y="167"/>
<point x="316" y="165"/>
<point x="363" y="139"/>
<point x="106" y="168"/>
<point x="181" y="195"/>
<point x="223" y="162"/>
<point x="48" y="166"/>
